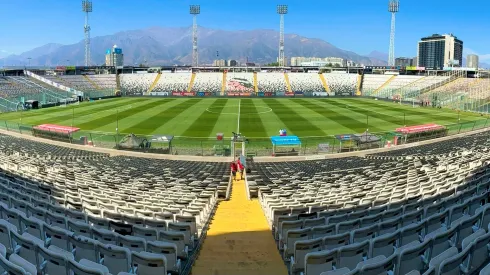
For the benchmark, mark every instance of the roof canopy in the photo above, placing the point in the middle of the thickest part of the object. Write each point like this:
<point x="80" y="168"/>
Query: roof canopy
<point x="366" y="137"/>
<point x="419" y="128"/>
<point x="285" y="140"/>
<point x="161" y="138"/>
<point x="56" y="128"/>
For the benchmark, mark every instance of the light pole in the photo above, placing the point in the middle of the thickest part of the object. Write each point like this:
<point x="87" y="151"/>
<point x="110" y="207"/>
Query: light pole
<point x="87" y="8"/>
<point x="194" y="10"/>
<point x="393" y="8"/>
<point x="281" y="10"/>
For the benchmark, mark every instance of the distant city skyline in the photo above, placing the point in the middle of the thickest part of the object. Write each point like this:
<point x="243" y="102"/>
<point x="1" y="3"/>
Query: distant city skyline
<point x="358" y="26"/>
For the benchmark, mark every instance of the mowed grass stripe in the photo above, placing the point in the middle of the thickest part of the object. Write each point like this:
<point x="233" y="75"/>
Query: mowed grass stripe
<point x="149" y="125"/>
<point x="434" y="114"/>
<point x="251" y="124"/>
<point x="395" y="120"/>
<point x="291" y="119"/>
<point x="338" y="117"/>
<point x="88" y="110"/>
<point x="204" y="124"/>
<point x="50" y="110"/>
<point x="111" y="118"/>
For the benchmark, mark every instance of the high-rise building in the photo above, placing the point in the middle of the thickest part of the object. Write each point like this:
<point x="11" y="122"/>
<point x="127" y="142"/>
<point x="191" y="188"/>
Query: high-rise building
<point x="403" y="61"/>
<point x="472" y="61"/>
<point x="438" y="51"/>
<point x="219" y="63"/>
<point x="114" y="56"/>
<point x="231" y="63"/>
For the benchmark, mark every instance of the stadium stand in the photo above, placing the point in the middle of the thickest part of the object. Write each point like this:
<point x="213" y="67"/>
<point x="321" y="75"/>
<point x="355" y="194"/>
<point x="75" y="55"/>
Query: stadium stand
<point x="272" y="82"/>
<point x="341" y="83"/>
<point x="174" y="82"/>
<point x="69" y="209"/>
<point x="373" y="82"/>
<point x="409" y="211"/>
<point x="208" y="82"/>
<point x="308" y="83"/>
<point x="136" y="84"/>
<point x="239" y="82"/>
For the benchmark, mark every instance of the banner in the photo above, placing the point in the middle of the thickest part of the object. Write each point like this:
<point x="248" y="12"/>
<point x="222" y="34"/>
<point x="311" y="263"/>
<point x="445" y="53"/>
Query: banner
<point x="269" y="94"/>
<point x="159" y="93"/>
<point x="289" y="94"/>
<point x="183" y="94"/>
<point x="320" y="94"/>
<point x="204" y="94"/>
<point x="239" y="94"/>
<point x="54" y="84"/>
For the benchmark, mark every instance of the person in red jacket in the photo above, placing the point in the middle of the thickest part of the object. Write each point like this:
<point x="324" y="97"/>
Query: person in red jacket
<point x="240" y="168"/>
<point x="233" y="167"/>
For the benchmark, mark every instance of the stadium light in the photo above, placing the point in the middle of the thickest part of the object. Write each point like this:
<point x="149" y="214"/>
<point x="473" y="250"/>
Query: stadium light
<point x="281" y="10"/>
<point x="87" y="8"/>
<point x="194" y="10"/>
<point x="393" y="8"/>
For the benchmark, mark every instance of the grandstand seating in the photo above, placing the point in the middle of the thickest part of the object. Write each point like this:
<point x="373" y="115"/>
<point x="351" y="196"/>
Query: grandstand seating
<point x="308" y="83"/>
<point x="272" y="82"/>
<point x="341" y="83"/>
<point x="136" y="84"/>
<point x="174" y="82"/>
<point x="89" y="211"/>
<point x="239" y="82"/>
<point x="208" y="82"/>
<point x="356" y="215"/>
<point x="373" y="82"/>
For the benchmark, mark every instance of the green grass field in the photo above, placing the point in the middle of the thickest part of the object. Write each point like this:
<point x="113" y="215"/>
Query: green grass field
<point x="198" y="117"/>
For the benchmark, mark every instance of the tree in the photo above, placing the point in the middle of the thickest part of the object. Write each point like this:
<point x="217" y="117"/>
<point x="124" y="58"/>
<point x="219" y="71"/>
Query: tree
<point x="273" y="64"/>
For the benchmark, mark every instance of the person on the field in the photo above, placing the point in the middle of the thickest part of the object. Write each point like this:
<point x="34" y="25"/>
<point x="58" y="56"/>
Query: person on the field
<point x="233" y="167"/>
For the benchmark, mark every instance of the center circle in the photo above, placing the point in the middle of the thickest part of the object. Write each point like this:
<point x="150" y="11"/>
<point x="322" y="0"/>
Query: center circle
<point x="233" y="110"/>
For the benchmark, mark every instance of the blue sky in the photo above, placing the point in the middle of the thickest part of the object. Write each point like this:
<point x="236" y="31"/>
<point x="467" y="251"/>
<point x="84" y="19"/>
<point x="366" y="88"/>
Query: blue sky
<point x="358" y="25"/>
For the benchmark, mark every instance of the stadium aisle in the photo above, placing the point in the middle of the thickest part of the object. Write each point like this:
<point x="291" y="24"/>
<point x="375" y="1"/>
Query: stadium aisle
<point x="239" y="240"/>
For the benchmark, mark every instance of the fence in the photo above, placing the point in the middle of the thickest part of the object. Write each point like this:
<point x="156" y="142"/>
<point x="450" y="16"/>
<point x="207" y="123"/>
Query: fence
<point x="255" y="146"/>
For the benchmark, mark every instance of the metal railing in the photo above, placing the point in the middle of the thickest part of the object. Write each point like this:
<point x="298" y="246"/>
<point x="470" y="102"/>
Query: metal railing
<point x="328" y="144"/>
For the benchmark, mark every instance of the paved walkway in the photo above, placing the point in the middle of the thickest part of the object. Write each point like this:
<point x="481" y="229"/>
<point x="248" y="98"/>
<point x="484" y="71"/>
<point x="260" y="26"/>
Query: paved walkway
<point x="239" y="241"/>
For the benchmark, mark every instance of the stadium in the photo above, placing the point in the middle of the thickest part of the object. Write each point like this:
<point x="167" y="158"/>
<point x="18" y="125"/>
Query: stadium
<point x="270" y="170"/>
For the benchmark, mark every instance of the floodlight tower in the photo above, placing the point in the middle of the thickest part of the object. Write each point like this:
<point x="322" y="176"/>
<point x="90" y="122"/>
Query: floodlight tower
<point x="281" y="10"/>
<point x="194" y="10"/>
<point x="87" y="8"/>
<point x="393" y="7"/>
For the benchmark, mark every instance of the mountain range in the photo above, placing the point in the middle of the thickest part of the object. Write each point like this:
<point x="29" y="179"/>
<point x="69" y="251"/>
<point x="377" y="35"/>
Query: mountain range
<point x="172" y="46"/>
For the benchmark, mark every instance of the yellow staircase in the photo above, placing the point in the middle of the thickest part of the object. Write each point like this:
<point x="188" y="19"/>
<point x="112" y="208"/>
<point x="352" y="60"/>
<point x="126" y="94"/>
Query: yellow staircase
<point x="324" y="83"/>
<point x="256" y="83"/>
<point x="191" y="82"/>
<point x="384" y="84"/>
<point x="223" y="83"/>
<point x="154" y="84"/>
<point x="92" y="82"/>
<point x="359" y="81"/>
<point x="239" y="241"/>
<point x="286" y="77"/>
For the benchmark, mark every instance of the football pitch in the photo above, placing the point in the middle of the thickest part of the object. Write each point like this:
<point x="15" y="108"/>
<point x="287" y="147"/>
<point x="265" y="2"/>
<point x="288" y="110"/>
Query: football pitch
<point x="257" y="117"/>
